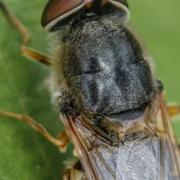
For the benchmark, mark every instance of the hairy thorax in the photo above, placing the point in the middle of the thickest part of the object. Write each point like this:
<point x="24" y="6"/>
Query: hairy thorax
<point x="105" y="69"/>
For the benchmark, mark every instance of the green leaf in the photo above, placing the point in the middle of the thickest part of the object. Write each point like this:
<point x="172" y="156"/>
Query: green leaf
<point x="24" y="154"/>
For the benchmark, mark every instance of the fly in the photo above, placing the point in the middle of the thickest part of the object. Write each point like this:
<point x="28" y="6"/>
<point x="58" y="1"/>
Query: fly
<point x="111" y="104"/>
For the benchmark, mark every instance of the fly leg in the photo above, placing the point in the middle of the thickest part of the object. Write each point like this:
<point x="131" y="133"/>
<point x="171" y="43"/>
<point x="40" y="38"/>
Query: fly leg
<point x="173" y="110"/>
<point x="25" y="37"/>
<point x="61" y="141"/>
<point x="74" y="171"/>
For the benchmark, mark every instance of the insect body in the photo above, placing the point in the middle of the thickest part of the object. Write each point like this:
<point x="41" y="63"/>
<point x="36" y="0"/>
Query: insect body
<point x="110" y="102"/>
<point x="104" y="67"/>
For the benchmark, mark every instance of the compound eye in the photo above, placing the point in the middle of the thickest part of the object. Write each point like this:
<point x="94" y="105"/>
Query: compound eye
<point x="124" y="2"/>
<point x="121" y="4"/>
<point x="58" y="10"/>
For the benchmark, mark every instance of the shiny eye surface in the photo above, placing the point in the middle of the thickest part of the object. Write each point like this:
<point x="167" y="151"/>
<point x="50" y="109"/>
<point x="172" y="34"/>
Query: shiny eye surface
<point x="123" y="6"/>
<point x="124" y="2"/>
<point x="57" y="10"/>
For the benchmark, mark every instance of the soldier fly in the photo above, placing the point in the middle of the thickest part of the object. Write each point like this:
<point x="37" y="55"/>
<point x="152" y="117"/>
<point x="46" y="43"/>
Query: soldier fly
<point x="110" y="102"/>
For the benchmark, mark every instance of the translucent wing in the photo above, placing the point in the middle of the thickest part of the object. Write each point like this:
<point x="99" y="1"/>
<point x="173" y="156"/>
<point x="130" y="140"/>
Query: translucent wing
<point x="150" y="158"/>
<point x="140" y="158"/>
<point x="97" y="157"/>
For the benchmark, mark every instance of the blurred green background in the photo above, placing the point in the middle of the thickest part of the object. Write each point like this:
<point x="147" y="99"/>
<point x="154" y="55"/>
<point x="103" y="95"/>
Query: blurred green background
<point x="24" y="155"/>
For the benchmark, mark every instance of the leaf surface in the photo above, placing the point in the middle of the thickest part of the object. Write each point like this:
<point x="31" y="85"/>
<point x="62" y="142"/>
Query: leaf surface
<point x="24" y="154"/>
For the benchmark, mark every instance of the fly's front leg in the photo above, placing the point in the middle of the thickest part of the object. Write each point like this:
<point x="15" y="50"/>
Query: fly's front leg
<point x="61" y="141"/>
<point x="16" y="23"/>
<point x="25" y="37"/>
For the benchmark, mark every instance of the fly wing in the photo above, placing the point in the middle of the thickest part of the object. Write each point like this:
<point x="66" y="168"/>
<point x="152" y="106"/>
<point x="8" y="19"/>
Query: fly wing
<point x="150" y="158"/>
<point x="142" y="158"/>
<point x="146" y="159"/>
<point x="169" y="144"/>
<point x="97" y="157"/>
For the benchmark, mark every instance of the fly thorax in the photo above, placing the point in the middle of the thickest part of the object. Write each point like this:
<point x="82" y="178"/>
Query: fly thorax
<point x="106" y="69"/>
